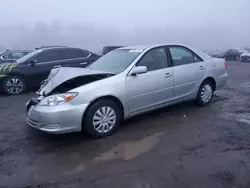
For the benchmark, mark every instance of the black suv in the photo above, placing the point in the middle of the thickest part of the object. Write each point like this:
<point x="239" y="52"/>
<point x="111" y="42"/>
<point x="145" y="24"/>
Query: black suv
<point x="30" y="70"/>
<point x="11" y="56"/>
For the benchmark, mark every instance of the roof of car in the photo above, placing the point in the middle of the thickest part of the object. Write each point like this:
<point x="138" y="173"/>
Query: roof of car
<point x="16" y="51"/>
<point x="143" y="47"/>
<point x="135" y="47"/>
<point x="10" y="51"/>
<point x="50" y="47"/>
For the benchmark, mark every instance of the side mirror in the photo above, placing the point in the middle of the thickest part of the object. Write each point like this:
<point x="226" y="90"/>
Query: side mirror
<point x="32" y="62"/>
<point x="139" y="70"/>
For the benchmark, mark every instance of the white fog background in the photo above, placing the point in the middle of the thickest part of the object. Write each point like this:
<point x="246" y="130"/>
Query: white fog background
<point x="92" y="24"/>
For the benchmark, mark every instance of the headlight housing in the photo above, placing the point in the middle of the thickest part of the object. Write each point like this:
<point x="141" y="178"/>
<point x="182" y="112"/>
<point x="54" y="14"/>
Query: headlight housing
<point x="58" y="99"/>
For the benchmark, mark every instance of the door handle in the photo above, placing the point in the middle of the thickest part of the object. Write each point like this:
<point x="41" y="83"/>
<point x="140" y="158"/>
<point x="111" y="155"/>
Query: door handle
<point x="57" y="66"/>
<point x="83" y="63"/>
<point x="201" y="68"/>
<point x="167" y="75"/>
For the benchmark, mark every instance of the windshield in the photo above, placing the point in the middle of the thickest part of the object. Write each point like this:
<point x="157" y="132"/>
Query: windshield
<point x="115" y="61"/>
<point x="28" y="56"/>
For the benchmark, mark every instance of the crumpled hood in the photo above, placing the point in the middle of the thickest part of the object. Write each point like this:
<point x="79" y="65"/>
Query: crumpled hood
<point x="60" y="75"/>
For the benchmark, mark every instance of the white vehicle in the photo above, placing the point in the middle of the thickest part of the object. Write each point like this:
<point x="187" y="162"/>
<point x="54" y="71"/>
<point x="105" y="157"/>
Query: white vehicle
<point x="123" y="83"/>
<point x="245" y="57"/>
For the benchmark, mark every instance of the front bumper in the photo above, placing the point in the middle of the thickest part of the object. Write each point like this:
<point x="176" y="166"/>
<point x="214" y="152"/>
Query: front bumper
<point x="64" y="118"/>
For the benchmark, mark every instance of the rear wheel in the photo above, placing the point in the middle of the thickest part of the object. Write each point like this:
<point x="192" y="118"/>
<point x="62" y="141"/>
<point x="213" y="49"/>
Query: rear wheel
<point x="205" y="93"/>
<point x="14" y="85"/>
<point x="102" y="118"/>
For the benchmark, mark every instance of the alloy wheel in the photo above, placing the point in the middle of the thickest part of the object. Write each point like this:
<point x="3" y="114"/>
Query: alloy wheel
<point x="104" y="119"/>
<point x="206" y="93"/>
<point x="14" y="86"/>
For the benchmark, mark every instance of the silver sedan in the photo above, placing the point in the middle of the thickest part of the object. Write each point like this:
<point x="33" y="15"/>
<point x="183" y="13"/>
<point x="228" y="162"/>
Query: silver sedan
<point x="123" y="83"/>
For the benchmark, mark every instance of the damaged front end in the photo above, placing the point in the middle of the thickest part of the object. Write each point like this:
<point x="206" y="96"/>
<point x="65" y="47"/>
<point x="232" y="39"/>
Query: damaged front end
<point x="65" y="79"/>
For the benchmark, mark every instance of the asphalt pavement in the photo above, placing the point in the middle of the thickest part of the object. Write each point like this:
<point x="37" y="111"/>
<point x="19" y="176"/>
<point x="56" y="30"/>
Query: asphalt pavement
<point x="182" y="146"/>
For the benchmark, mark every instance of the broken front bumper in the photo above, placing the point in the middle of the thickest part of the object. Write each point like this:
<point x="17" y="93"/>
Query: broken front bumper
<point x="64" y="118"/>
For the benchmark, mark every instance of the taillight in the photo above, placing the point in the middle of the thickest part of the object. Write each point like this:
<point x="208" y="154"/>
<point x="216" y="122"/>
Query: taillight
<point x="225" y="63"/>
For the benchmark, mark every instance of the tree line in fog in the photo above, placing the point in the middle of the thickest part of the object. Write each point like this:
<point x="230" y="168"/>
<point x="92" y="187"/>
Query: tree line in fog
<point x="94" y="37"/>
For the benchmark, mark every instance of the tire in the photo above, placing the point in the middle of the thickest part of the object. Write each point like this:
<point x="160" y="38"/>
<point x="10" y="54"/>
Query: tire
<point x="18" y="85"/>
<point x="107" y="128"/>
<point x="206" y="86"/>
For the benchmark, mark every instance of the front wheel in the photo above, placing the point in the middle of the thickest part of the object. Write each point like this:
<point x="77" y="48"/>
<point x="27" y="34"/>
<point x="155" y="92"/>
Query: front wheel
<point x="205" y="93"/>
<point x="14" y="85"/>
<point x="102" y="118"/>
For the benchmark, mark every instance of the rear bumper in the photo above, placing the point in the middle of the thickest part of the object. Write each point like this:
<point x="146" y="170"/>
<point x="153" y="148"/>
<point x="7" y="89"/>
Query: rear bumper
<point x="221" y="81"/>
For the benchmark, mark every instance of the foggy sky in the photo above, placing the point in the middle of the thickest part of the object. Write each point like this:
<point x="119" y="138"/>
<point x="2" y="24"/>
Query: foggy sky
<point x="94" y="23"/>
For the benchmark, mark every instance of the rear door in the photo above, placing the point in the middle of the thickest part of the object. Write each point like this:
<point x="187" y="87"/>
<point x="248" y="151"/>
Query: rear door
<point x="188" y="70"/>
<point x="74" y="57"/>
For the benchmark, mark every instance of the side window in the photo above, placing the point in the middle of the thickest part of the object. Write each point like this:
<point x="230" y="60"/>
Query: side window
<point x="18" y="55"/>
<point x="181" y="56"/>
<point x="7" y="56"/>
<point x="154" y="59"/>
<point x="75" y="53"/>
<point x="13" y="55"/>
<point x="51" y="55"/>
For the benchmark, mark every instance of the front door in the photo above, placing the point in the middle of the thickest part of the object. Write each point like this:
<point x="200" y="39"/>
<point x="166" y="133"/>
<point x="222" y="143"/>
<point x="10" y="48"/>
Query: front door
<point x="188" y="70"/>
<point x="44" y="62"/>
<point x="153" y="88"/>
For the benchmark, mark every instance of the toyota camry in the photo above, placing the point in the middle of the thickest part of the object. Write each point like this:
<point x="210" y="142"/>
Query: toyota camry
<point x="125" y="82"/>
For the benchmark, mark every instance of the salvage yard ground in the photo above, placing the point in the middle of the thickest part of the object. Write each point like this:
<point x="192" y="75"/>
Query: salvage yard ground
<point x="179" y="146"/>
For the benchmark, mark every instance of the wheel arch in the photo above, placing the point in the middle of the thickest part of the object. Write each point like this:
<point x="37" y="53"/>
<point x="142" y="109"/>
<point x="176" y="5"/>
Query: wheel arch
<point x="17" y="74"/>
<point x="212" y="80"/>
<point x="106" y="97"/>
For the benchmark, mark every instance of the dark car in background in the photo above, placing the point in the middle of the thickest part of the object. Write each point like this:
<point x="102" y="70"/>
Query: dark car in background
<point x="216" y="53"/>
<point x="10" y="56"/>
<point x="30" y="70"/>
<point x="232" y="54"/>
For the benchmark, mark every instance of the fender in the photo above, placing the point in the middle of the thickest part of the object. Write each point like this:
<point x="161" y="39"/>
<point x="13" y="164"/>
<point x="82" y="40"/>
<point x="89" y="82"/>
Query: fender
<point x="7" y="67"/>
